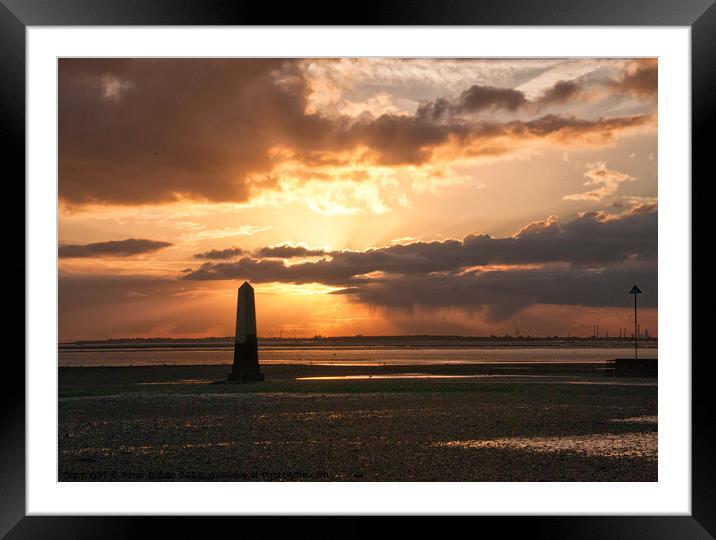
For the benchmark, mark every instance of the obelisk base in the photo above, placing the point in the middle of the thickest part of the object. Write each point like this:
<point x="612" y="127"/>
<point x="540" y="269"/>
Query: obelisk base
<point x="246" y="362"/>
<point x="245" y="377"/>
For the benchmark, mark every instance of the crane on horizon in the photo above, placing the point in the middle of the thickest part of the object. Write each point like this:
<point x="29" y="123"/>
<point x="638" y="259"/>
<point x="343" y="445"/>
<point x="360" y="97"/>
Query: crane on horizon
<point x="517" y="330"/>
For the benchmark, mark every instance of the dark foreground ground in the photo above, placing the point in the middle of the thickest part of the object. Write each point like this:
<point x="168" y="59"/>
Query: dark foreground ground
<point x="493" y="423"/>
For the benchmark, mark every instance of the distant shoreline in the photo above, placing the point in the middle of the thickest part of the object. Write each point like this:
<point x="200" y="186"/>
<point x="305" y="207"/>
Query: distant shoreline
<point x="220" y="343"/>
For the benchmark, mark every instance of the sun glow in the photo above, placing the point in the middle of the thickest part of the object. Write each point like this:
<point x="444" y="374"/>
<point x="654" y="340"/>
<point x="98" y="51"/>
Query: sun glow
<point x="369" y="173"/>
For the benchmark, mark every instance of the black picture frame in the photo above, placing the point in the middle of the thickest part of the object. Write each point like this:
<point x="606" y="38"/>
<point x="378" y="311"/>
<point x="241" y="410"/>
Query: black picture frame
<point x="16" y="15"/>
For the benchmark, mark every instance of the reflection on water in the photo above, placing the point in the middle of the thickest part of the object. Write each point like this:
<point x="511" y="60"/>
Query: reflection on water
<point x="393" y="376"/>
<point x="521" y="378"/>
<point x="179" y="381"/>
<point x="342" y="364"/>
<point x="601" y="444"/>
<point x="141" y="449"/>
<point x="637" y="420"/>
<point x="347" y="356"/>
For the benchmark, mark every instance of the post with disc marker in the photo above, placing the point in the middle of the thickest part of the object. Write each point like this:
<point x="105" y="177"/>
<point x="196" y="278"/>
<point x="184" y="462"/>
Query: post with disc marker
<point x="635" y="290"/>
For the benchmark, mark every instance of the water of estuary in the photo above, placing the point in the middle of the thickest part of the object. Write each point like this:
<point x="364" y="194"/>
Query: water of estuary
<point x="361" y="356"/>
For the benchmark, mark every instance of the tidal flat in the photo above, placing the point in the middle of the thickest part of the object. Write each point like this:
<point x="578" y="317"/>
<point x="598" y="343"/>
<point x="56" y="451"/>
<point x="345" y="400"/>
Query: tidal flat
<point x="357" y="423"/>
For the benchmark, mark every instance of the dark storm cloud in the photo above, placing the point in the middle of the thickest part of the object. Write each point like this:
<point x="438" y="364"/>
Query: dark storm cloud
<point x="500" y="294"/>
<point x="219" y="254"/>
<point x="592" y="240"/>
<point x="287" y="252"/>
<point x="135" y="131"/>
<point x="114" y="248"/>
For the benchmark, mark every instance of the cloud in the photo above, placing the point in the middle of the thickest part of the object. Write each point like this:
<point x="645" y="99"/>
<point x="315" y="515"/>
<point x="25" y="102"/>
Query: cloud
<point x="141" y="131"/>
<point x="566" y="129"/>
<point x="635" y="205"/>
<point x="591" y="260"/>
<point x="491" y="139"/>
<point x="396" y="139"/>
<point x="288" y="251"/>
<point x="274" y="270"/>
<point x="561" y="92"/>
<point x="336" y="83"/>
<point x="186" y="128"/>
<point x="588" y="241"/>
<point x="480" y="98"/>
<point x="608" y="181"/>
<point x="106" y="306"/>
<point x="76" y="291"/>
<point x="220" y="254"/>
<point x="642" y="208"/>
<point x="640" y="78"/>
<point x="113" y="248"/>
<point x="476" y="99"/>
<point x="497" y="295"/>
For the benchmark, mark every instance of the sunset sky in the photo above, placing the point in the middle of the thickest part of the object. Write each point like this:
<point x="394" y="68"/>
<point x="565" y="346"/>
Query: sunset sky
<point x="358" y="196"/>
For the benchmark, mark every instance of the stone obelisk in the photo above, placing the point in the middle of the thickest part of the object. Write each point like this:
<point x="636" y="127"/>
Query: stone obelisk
<point x="246" y="349"/>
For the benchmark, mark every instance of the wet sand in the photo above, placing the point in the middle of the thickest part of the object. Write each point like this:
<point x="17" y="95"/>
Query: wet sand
<point x="357" y="423"/>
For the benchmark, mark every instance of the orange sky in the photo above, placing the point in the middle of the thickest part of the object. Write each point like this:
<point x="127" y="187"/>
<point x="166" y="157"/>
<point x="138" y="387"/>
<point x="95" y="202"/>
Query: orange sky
<point x="371" y="196"/>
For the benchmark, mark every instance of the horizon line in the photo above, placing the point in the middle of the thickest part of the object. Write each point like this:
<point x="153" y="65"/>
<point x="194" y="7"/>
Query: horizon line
<point x="318" y="337"/>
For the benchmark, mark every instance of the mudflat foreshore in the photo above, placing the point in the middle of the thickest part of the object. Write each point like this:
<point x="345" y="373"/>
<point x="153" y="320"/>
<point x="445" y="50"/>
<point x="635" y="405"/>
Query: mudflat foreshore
<point x="368" y="422"/>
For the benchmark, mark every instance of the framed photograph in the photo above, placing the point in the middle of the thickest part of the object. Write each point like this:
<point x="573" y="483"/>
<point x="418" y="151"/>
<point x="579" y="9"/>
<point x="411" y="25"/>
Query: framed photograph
<point x="416" y="262"/>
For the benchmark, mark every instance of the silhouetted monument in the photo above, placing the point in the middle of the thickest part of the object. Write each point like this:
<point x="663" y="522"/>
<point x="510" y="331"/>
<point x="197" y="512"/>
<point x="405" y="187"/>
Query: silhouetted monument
<point x="246" y="348"/>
